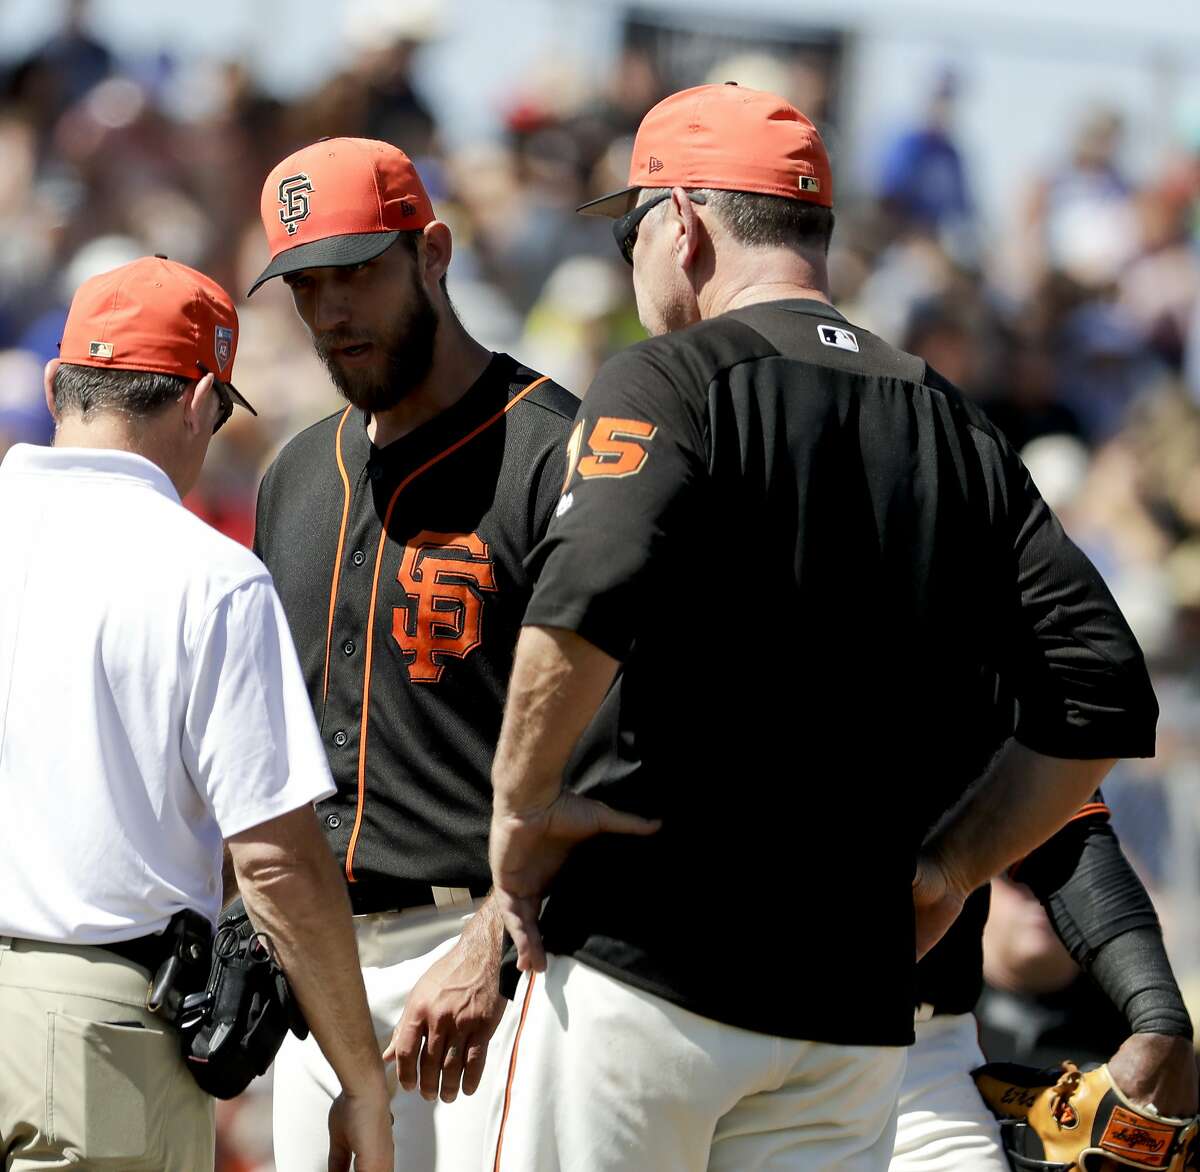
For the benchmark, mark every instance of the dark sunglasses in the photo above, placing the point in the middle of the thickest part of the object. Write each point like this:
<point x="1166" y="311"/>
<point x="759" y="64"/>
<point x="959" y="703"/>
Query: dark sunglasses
<point x="224" y="402"/>
<point x="625" y="229"/>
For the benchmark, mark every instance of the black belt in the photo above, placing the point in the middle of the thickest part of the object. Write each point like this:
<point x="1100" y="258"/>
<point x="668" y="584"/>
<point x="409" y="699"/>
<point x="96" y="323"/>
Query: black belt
<point x="147" y="952"/>
<point x="397" y="895"/>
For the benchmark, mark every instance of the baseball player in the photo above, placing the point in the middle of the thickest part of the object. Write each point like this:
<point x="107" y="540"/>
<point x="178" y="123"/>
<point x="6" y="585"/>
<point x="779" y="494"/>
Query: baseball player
<point x="397" y="531"/>
<point x="150" y="705"/>
<point x="787" y="562"/>
<point x="1104" y="917"/>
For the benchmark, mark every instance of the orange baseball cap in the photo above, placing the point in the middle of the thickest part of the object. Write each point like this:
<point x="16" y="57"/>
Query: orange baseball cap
<point x="154" y="314"/>
<point x="726" y="137"/>
<point x="341" y="201"/>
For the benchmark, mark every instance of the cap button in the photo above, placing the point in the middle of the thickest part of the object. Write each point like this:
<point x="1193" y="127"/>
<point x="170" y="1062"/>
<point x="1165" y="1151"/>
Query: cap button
<point x="161" y="255"/>
<point x="731" y="83"/>
<point x="324" y="138"/>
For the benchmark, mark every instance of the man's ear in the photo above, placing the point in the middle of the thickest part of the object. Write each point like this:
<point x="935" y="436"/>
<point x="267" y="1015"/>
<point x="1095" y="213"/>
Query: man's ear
<point x="197" y="400"/>
<point x="48" y="383"/>
<point x="688" y="227"/>
<point x="437" y="248"/>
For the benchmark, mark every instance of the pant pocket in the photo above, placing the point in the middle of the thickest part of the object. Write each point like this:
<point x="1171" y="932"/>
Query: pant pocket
<point x="99" y="1076"/>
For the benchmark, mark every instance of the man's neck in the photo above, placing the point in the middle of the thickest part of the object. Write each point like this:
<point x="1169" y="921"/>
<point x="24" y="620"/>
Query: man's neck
<point x="458" y="361"/>
<point x="112" y="432"/>
<point x="764" y="275"/>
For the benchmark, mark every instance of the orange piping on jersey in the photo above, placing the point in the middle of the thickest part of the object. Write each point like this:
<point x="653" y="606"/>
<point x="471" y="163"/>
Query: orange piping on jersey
<point x="512" y="1070"/>
<point x="387" y="517"/>
<point x="341" y="545"/>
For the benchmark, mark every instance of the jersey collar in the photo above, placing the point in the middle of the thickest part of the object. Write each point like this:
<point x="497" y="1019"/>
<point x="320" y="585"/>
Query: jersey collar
<point x="477" y="403"/>
<point x="807" y="306"/>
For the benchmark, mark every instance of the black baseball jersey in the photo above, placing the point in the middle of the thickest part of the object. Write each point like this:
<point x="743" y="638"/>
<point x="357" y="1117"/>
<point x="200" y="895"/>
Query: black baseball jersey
<point x="401" y="573"/>
<point x="814" y="559"/>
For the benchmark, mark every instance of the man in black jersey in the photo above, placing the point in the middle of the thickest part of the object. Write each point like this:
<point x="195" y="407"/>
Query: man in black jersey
<point x="396" y="531"/>
<point x="788" y="564"/>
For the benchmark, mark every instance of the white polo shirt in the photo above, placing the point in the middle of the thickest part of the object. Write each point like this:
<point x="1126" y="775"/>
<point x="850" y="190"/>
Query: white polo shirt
<point x="151" y="702"/>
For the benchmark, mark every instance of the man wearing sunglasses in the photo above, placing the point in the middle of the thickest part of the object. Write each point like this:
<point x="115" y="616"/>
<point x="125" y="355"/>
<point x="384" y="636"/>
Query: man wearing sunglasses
<point x="787" y="566"/>
<point x="151" y="706"/>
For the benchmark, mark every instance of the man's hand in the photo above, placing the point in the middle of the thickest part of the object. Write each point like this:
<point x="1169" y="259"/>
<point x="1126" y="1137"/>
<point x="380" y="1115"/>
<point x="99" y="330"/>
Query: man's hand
<point x="1158" y="1069"/>
<point x="452" y="1013"/>
<point x="937" y="901"/>
<point x="360" y="1129"/>
<point x="526" y="850"/>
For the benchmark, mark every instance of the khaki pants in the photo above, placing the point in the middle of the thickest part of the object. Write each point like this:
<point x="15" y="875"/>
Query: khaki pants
<point x="89" y="1078"/>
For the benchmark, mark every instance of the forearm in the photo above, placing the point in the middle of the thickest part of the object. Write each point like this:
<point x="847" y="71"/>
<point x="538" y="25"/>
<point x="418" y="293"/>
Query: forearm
<point x="229" y="883"/>
<point x="1022" y="799"/>
<point x="558" y="682"/>
<point x="483" y="934"/>
<point x="295" y="893"/>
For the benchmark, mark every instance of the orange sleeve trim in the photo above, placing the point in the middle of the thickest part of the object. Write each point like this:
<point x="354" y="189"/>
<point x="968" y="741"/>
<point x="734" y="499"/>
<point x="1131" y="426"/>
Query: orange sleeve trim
<point x="341" y="545"/>
<point x="387" y="518"/>
<point x="512" y="1071"/>
<point x="1085" y="811"/>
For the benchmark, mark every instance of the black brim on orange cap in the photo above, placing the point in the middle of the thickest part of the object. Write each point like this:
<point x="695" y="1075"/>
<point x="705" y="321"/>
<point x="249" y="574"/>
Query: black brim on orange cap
<point x="237" y="397"/>
<point x="614" y="205"/>
<point x="353" y="249"/>
<point x="234" y="393"/>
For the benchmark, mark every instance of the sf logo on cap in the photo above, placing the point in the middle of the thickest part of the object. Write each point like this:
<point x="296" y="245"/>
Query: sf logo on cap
<point x="293" y="194"/>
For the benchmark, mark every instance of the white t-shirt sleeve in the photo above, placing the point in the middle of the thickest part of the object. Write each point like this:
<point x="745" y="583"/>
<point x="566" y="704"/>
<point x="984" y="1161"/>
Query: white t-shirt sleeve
<point x="250" y="741"/>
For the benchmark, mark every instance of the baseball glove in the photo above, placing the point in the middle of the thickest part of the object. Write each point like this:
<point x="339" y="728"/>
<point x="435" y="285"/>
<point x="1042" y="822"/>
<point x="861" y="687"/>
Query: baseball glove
<point x="1068" y="1119"/>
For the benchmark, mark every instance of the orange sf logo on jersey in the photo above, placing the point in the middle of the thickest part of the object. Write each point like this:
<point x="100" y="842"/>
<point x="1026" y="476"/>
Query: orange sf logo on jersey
<point x="441" y="573"/>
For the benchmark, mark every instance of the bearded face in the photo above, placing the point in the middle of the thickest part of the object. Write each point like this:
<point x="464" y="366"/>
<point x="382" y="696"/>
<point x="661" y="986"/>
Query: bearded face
<point x="375" y="368"/>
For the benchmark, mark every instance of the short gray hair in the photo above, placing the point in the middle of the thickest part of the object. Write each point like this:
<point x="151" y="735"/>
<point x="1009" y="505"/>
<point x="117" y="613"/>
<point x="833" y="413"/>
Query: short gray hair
<point x="138" y="393"/>
<point x="767" y="221"/>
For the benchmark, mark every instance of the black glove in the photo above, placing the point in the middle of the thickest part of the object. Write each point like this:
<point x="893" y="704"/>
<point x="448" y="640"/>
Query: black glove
<point x="232" y="1030"/>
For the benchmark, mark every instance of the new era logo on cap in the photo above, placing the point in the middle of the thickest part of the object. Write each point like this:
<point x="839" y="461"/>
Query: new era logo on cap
<point x="655" y="165"/>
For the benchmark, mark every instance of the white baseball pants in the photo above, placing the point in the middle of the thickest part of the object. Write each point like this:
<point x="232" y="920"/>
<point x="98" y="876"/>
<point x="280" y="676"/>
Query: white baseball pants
<point x="395" y="949"/>
<point x="602" y="1077"/>
<point x="944" y="1125"/>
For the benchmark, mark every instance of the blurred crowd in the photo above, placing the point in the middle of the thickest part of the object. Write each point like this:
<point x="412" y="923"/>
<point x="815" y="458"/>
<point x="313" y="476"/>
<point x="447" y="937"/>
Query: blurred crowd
<point x="1075" y="322"/>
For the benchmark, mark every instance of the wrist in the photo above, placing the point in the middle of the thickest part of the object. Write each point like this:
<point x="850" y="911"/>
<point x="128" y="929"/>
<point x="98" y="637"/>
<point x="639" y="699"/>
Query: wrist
<point x="369" y="1089"/>
<point x="955" y="874"/>
<point x="521" y="809"/>
<point x="484" y="931"/>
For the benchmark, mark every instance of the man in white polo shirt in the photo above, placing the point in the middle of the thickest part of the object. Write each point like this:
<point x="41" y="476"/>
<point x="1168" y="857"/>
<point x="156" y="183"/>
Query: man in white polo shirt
<point x="151" y="706"/>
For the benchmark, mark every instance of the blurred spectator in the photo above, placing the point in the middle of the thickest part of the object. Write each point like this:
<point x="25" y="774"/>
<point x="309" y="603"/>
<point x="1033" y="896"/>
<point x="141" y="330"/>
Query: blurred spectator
<point x="923" y="178"/>
<point x="1037" y="1007"/>
<point x="1081" y="217"/>
<point x="59" y="73"/>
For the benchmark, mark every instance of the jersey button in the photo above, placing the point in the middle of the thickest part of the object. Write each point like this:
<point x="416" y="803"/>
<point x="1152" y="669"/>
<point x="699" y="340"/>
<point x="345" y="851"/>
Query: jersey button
<point x="340" y="738"/>
<point x="333" y="821"/>
<point x="358" y="557"/>
<point x="348" y="647"/>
